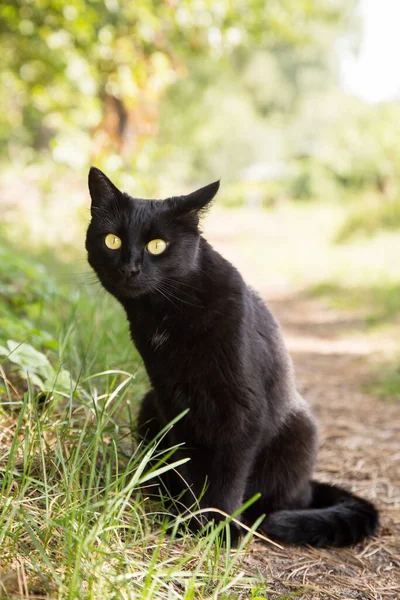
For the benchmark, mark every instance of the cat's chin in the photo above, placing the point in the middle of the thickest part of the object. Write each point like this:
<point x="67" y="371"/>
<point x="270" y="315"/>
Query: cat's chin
<point x="122" y="290"/>
<point x="130" y="291"/>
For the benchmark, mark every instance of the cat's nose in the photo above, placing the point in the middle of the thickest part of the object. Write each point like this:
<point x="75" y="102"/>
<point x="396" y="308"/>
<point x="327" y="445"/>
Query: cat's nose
<point x="130" y="271"/>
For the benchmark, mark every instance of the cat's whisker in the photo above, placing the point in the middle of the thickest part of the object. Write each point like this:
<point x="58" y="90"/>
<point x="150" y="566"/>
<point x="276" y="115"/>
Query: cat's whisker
<point x="183" y="295"/>
<point x="176" y="288"/>
<point x="167" y="297"/>
<point x="170" y="294"/>
<point x="82" y="274"/>
<point x="94" y="282"/>
<point x="169" y="290"/>
<point x="81" y="278"/>
<point x="179" y="282"/>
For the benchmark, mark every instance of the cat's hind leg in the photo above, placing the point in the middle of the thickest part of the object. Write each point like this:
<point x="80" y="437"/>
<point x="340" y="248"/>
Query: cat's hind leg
<point x="283" y="468"/>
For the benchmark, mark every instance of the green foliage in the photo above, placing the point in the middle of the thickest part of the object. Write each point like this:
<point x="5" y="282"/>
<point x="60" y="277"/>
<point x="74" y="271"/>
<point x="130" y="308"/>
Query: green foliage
<point x="365" y="152"/>
<point x="367" y="219"/>
<point x="379" y="308"/>
<point x="386" y="383"/>
<point x="379" y="304"/>
<point x="260" y="107"/>
<point x="26" y="288"/>
<point x="172" y="92"/>
<point x="48" y="330"/>
<point x="346" y="149"/>
<point x="36" y="368"/>
<point x="74" y="513"/>
<point x="64" y="65"/>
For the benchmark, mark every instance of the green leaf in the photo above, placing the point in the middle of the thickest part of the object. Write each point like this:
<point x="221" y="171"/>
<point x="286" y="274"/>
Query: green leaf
<point x="62" y="382"/>
<point x="25" y="356"/>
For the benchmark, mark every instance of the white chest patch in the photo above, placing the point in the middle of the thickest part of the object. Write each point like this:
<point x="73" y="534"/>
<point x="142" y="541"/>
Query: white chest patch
<point x="159" y="338"/>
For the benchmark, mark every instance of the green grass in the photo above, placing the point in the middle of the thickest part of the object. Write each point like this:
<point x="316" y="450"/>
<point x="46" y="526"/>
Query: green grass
<point x="379" y="308"/>
<point x="370" y="217"/>
<point x="380" y="304"/>
<point x="386" y="383"/>
<point x="74" y="518"/>
<point x="75" y="521"/>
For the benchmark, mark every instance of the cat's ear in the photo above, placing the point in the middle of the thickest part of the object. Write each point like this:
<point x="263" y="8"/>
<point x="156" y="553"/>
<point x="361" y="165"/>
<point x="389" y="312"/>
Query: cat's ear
<point x="196" y="202"/>
<point x="101" y="189"/>
<point x="200" y="198"/>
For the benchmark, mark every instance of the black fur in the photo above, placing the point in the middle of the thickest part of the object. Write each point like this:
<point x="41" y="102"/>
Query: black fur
<point x="210" y="344"/>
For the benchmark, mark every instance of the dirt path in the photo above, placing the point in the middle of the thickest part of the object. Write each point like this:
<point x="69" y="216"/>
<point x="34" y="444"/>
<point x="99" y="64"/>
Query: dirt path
<point x="333" y="357"/>
<point x="360" y="448"/>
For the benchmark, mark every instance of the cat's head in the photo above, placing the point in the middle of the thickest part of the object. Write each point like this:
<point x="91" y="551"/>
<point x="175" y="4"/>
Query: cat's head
<point x="134" y="245"/>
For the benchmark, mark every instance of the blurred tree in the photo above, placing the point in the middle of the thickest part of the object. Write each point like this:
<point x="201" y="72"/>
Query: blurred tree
<point x="367" y="149"/>
<point x="252" y="105"/>
<point x="76" y="70"/>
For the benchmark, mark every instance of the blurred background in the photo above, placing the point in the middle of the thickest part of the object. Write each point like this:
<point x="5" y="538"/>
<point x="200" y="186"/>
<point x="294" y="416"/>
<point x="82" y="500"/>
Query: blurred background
<point x="294" y="104"/>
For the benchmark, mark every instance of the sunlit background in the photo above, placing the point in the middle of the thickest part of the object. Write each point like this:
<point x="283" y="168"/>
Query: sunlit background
<point x="283" y="100"/>
<point x="294" y="105"/>
<point x="372" y="72"/>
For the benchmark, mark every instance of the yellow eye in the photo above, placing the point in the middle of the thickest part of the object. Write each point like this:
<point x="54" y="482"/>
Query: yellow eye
<point x="156" y="246"/>
<point x="112" y="241"/>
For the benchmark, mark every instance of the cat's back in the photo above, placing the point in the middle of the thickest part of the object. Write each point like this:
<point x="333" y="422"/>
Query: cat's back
<point x="243" y="308"/>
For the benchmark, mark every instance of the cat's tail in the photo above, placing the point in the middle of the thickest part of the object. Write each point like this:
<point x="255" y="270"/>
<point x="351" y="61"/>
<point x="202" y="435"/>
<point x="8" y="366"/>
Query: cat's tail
<point x="335" y="518"/>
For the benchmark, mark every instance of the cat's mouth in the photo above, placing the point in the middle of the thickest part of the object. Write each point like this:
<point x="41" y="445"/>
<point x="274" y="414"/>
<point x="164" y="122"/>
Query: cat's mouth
<point x="132" y="289"/>
<point x="124" y="288"/>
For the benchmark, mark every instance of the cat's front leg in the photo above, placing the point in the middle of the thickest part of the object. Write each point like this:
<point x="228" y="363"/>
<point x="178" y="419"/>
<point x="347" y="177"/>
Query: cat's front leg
<point x="219" y="478"/>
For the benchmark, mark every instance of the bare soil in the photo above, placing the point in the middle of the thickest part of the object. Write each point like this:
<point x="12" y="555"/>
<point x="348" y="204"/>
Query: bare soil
<point x="360" y="449"/>
<point x="334" y="357"/>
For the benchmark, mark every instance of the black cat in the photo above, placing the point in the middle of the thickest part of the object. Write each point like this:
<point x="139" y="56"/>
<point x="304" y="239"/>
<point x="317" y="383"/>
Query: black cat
<point x="210" y="345"/>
